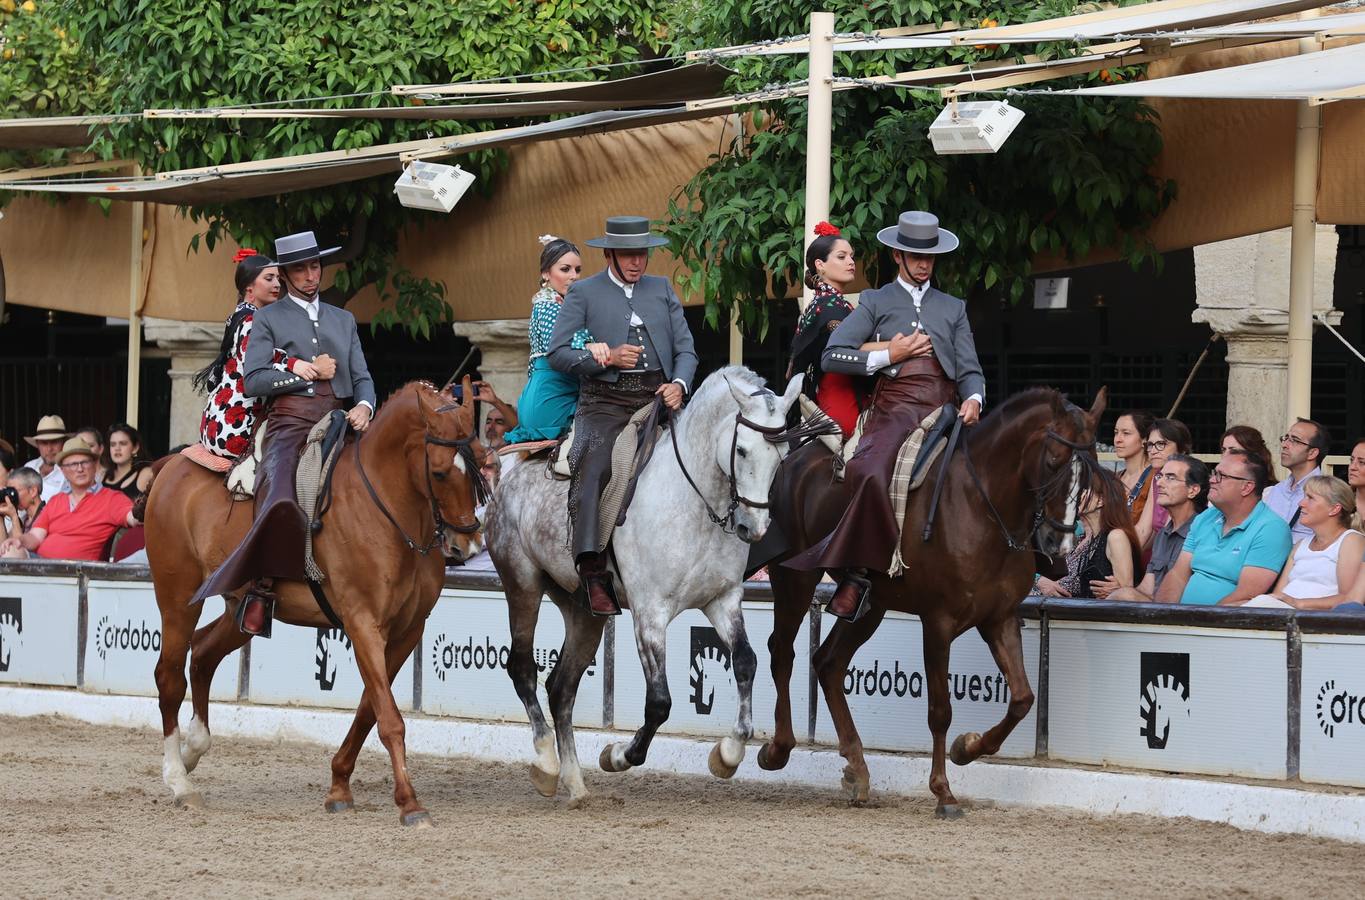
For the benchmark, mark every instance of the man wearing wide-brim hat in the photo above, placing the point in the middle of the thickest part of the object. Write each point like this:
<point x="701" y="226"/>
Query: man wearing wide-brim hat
<point x="646" y="351"/>
<point x="304" y="327"/>
<point x="929" y="360"/>
<point x="47" y="439"/>
<point x="79" y="522"/>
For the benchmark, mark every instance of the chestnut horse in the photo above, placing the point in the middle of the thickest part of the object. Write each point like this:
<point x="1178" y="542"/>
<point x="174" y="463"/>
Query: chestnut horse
<point x="1013" y="486"/>
<point x="383" y="565"/>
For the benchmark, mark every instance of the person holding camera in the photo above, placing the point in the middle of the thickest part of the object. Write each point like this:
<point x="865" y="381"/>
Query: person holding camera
<point x="20" y="502"/>
<point x="77" y="523"/>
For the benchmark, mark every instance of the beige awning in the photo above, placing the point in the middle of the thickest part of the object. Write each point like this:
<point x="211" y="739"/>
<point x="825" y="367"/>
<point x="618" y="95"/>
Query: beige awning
<point x="682" y="83"/>
<point x="54" y="132"/>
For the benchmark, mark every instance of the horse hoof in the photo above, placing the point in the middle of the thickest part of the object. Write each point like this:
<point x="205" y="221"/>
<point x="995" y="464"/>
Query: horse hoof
<point x="856" y="787"/>
<point x="608" y="763"/>
<point x="336" y="806"/>
<point x="718" y="766"/>
<point x="579" y="802"/>
<point x="948" y="811"/>
<point x="958" y="752"/>
<point x="190" y="801"/>
<point x="770" y="759"/>
<point x="545" y="783"/>
<point x="418" y="819"/>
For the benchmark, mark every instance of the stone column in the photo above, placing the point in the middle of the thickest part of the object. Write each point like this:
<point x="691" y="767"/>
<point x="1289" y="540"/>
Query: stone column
<point x="192" y="346"/>
<point x="505" y="348"/>
<point x="1242" y="292"/>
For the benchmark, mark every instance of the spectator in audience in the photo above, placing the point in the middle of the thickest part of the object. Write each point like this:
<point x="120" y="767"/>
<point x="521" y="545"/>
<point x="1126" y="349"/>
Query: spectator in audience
<point x="125" y="468"/>
<point x="19" y="516"/>
<point x="1109" y="550"/>
<point x="1322" y="568"/>
<point x="7" y="459"/>
<point x="1235" y="550"/>
<point x="1167" y="438"/>
<point x="47" y="439"/>
<point x="78" y="523"/>
<point x="1130" y="434"/>
<point x="94" y="438"/>
<point x="1302" y="450"/>
<point x="501" y="419"/>
<point x="1182" y="491"/>
<point x="1245" y="439"/>
<point x="1355" y="477"/>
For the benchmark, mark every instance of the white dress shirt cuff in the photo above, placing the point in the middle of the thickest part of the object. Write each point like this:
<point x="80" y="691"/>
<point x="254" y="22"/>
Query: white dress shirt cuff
<point x="878" y="359"/>
<point x="981" y="401"/>
<point x="682" y="384"/>
<point x="366" y="403"/>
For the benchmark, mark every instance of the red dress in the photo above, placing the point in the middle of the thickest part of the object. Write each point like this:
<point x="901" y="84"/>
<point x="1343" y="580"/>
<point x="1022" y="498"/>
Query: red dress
<point x="836" y="393"/>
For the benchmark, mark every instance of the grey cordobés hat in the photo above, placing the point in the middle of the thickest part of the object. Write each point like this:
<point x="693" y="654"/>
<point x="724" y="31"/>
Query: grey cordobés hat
<point x="918" y="232"/>
<point x="299" y="248"/>
<point x="627" y="233"/>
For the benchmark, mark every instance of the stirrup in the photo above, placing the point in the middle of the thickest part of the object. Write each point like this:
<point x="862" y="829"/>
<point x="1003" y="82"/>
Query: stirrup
<point x="266" y="598"/>
<point x="605" y="580"/>
<point x="864" y="604"/>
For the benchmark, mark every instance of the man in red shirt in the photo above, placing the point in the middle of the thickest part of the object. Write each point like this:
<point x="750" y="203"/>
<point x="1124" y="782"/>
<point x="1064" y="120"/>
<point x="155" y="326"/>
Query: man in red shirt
<point x="77" y="523"/>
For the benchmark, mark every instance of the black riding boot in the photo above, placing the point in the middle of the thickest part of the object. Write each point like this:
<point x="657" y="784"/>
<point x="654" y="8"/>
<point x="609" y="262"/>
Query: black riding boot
<point x="851" y="599"/>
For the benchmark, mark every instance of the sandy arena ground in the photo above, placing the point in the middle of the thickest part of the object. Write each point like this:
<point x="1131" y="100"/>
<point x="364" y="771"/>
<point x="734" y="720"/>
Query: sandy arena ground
<point x="86" y="814"/>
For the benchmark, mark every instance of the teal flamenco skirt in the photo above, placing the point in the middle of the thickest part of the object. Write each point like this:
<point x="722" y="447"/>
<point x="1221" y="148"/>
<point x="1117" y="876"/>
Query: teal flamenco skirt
<point x="546" y="405"/>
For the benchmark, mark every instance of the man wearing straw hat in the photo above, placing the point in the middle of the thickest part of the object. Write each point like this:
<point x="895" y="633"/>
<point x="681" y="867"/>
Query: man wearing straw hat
<point x="79" y="521"/>
<point x="640" y="320"/>
<point x="302" y="326"/>
<point x="47" y="440"/>
<point x="930" y="360"/>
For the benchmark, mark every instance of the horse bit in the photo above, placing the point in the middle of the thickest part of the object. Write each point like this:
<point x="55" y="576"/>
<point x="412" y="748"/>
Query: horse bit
<point x="463" y="447"/>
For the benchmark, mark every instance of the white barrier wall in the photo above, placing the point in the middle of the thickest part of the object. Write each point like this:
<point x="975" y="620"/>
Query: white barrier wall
<point x="38" y="632"/>
<point x="301" y="666"/>
<point x="701" y="677"/>
<point x="123" y="641"/>
<point x="1206" y="700"/>
<point x="464" y="657"/>
<point x="888" y="697"/>
<point x="1332" y="713"/>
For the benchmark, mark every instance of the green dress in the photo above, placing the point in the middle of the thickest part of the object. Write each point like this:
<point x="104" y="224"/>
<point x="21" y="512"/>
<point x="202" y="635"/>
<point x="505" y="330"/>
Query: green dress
<point x="547" y="403"/>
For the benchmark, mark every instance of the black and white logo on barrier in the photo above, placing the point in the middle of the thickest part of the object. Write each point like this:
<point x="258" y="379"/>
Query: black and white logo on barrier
<point x="710" y="667"/>
<point x="1335" y="709"/>
<point x="1165" y="689"/>
<point x="11" y="630"/>
<point x="332" y="647"/>
<point x="126" y="635"/>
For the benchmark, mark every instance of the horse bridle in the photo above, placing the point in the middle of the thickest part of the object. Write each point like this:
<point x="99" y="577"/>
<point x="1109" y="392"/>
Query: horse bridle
<point x="1044" y="493"/>
<point x="464" y="448"/>
<point x="773" y="434"/>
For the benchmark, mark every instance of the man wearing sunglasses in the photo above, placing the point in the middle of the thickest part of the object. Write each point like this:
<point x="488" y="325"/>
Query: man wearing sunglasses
<point x="1302" y="449"/>
<point x="1236" y="549"/>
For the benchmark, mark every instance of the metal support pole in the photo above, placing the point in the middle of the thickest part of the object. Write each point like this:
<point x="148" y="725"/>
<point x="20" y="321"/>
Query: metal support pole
<point x="1302" y="246"/>
<point x="134" y="313"/>
<point x="819" y="127"/>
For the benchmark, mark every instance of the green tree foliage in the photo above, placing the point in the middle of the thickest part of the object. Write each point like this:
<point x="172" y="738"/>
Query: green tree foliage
<point x="1074" y="176"/>
<point x="200" y="53"/>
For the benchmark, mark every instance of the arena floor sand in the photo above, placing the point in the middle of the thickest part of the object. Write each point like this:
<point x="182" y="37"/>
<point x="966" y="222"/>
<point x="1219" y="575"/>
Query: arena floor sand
<point x="86" y="814"/>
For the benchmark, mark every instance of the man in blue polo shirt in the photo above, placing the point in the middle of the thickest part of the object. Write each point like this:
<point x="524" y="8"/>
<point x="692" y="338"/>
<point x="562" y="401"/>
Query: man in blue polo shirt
<point x="1235" y="548"/>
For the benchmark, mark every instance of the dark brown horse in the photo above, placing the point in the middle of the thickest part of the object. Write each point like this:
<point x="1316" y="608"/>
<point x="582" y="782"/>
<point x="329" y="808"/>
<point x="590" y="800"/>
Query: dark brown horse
<point x="1012" y="487"/>
<point x="384" y="573"/>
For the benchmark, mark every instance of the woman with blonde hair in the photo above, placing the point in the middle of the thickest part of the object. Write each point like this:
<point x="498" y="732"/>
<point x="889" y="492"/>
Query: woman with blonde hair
<point x="1323" y="568"/>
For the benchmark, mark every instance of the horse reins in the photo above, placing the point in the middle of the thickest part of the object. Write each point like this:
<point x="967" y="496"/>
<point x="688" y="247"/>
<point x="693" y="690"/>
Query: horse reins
<point x="1044" y="492"/>
<point x="463" y="447"/>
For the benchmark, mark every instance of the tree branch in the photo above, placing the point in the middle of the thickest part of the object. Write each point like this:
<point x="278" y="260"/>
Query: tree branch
<point x="350" y="250"/>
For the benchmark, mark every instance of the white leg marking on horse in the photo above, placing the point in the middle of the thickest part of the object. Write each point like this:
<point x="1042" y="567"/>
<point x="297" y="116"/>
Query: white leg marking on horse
<point x="731" y="750"/>
<point x="196" y="743"/>
<point x="173" y="767"/>
<point x="547" y="760"/>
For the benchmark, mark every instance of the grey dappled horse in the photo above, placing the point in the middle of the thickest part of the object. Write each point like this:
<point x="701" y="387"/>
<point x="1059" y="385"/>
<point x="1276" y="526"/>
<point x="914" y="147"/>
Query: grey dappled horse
<point x="670" y="556"/>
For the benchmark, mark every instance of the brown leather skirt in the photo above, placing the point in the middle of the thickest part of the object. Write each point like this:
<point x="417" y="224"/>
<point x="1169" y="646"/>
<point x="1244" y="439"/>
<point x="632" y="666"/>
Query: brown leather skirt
<point x="867" y="533"/>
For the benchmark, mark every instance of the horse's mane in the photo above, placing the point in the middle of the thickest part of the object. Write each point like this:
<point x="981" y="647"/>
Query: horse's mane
<point x="742" y="378"/>
<point x="415" y="383"/>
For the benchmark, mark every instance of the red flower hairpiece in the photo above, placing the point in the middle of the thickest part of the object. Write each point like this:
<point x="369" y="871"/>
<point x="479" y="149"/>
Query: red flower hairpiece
<point x="824" y="229"/>
<point x="242" y="254"/>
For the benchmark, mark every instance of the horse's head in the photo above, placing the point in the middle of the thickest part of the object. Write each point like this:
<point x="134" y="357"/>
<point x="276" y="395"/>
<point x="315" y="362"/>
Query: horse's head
<point x="1066" y="459"/>
<point x="748" y="454"/>
<point x="452" y="457"/>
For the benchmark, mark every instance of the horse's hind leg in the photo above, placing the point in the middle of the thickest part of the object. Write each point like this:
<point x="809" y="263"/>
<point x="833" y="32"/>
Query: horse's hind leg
<point x="177" y="627"/>
<point x="523" y="610"/>
<point x="651" y="641"/>
<point x="727" y="617"/>
<point x="831" y="663"/>
<point x="582" y="635"/>
<point x="339" y="797"/>
<point x="210" y="646"/>
<point x="1006" y="643"/>
<point x="792" y="592"/>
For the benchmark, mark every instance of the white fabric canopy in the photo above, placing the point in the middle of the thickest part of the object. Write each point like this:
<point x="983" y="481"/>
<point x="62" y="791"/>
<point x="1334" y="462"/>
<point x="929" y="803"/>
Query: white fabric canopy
<point x="1304" y="77"/>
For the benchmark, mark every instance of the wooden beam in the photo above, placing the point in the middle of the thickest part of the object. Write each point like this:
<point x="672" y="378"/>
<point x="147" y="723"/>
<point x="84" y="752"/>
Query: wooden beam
<point x="70" y="169"/>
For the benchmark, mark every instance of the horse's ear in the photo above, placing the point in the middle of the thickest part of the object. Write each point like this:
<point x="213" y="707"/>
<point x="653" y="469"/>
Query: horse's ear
<point x="1097" y="408"/>
<point x="742" y="400"/>
<point x="423" y="404"/>
<point x="793" y="390"/>
<point x="467" y="386"/>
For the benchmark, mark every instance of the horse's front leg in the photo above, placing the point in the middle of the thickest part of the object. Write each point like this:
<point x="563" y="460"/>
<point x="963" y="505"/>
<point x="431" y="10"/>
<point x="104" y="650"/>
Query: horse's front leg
<point x="831" y="663"/>
<point x="651" y="636"/>
<point x="210" y="646"/>
<point x="727" y="617"/>
<point x="792" y="592"/>
<point x="1006" y="642"/>
<point x="938" y="641"/>
<point x="582" y="636"/>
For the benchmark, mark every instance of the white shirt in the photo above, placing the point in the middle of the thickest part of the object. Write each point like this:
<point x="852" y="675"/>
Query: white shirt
<point x="629" y="290"/>
<point x="54" y="482"/>
<point x="311" y="307"/>
<point x="1283" y="498"/>
<point x="880" y="359"/>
